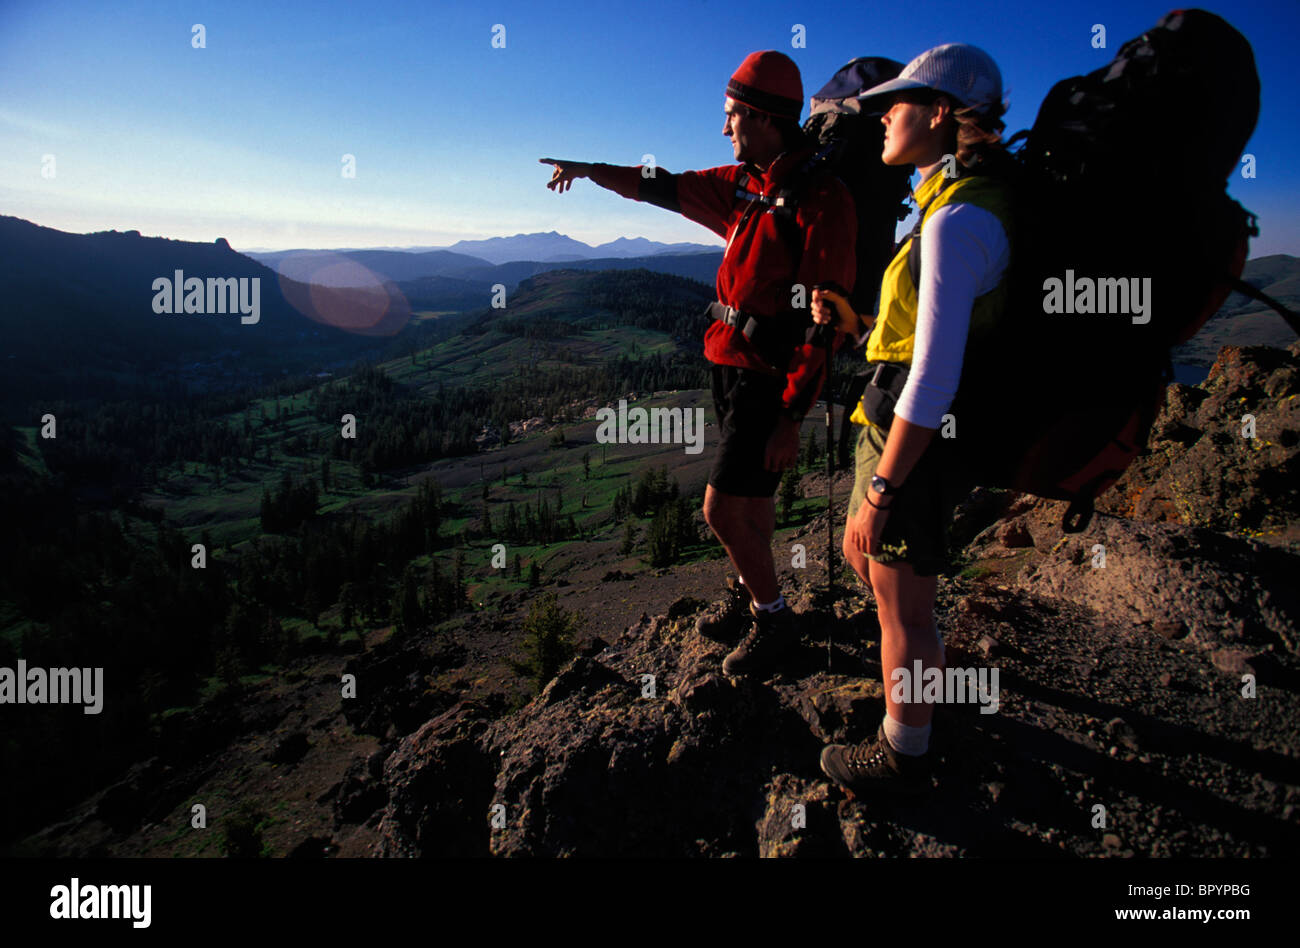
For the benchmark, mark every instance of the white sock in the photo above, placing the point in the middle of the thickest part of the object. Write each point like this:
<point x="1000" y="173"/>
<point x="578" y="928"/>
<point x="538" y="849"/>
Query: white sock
<point x="776" y="605"/>
<point x="913" y="741"/>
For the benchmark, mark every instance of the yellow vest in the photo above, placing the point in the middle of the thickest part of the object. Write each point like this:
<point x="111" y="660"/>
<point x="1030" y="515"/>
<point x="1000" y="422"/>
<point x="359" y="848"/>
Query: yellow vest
<point x="895" y="331"/>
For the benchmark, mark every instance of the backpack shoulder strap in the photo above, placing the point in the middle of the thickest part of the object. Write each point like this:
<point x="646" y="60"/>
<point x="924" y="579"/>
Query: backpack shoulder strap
<point x="785" y="203"/>
<point x="914" y="252"/>
<point x="914" y="238"/>
<point x="808" y="173"/>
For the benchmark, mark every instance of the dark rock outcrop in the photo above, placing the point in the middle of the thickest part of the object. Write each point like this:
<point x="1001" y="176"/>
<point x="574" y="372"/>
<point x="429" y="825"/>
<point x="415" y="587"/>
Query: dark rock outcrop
<point x="1113" y="689"/>
<point x="1204" y="469"/>
<point x="394" y="695"/>
<point x="647" y="751"/>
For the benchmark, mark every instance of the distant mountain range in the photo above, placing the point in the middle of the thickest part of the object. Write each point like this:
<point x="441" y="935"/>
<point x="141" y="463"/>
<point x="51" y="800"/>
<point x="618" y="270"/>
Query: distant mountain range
<point x="79" y="316"/>
<point x="456" y="273"/>
<point x="551" y="247"/>
<point x="78" y="319"/>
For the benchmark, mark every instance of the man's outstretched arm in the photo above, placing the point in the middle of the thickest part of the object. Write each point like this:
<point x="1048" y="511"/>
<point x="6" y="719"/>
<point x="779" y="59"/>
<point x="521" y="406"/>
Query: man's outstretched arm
<point x="621" y="180"/>
<point x="705" y="197"/>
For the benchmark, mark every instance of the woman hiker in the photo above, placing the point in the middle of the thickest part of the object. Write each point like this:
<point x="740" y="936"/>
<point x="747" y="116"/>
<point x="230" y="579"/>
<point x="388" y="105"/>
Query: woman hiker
<point x="943" y="115"/>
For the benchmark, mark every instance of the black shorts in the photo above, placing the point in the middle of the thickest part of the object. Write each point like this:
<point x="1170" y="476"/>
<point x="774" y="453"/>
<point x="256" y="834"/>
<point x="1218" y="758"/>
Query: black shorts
<point x="748" y="405"/>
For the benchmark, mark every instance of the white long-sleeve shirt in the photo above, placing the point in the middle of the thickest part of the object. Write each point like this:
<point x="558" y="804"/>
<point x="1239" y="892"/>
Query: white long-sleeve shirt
<point x="964" y="252"/>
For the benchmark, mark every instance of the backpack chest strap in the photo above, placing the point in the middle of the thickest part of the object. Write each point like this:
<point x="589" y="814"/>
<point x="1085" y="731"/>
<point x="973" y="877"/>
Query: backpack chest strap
<point x="914" y="238"/>
<point x="783" y="198"/>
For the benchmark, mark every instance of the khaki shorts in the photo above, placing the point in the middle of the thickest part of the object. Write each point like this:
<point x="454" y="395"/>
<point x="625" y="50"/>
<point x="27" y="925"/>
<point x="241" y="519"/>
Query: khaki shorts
<point x="920" y="515"/>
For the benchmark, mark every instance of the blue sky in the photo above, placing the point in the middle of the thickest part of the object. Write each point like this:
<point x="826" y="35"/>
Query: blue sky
<point x="244" y="139"/>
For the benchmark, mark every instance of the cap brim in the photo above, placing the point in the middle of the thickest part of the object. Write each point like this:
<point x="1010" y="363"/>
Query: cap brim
<point x="878" y="93"/>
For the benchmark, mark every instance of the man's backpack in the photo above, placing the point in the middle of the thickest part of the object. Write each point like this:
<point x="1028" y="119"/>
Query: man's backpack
<point x="851" y="142"/>
<point x="1122" y="177"/>
<point x="848" y="143"/>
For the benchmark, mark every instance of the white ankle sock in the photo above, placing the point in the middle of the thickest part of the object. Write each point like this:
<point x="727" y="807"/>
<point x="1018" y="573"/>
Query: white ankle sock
<point x="913" y="741"/>
<point x="776" y="605"/>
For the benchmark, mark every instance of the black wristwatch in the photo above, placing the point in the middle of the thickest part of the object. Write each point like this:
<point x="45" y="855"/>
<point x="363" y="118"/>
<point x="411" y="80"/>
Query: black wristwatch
<point x="883" y="487"/>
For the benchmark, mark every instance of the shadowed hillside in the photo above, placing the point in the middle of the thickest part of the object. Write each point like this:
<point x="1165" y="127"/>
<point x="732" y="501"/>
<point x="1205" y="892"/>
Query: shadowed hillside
<point x="1119" y="686"/>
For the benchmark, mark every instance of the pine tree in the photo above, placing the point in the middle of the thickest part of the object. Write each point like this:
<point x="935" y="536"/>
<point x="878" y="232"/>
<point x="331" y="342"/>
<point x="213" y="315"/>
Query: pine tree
<point x="549" y="633"/>
<point x="433" y="594"/>
<point x="789" y="493"/>
<point x="661" y="540"/>
<point x="348" y="605"/>
<point x="408" y="611"/>
<point x="460" y="598"/>
<point x="811" y="449"/>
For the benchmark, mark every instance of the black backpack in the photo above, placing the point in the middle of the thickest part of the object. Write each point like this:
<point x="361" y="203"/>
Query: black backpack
<point x="1123" y="175"/>
<point x="848" y="144"/>
<point x="852" y="141"/>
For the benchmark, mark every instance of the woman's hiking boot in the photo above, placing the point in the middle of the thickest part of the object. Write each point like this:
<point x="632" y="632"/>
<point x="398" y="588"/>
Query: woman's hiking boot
<point x="725" y="618"/>
<point x="772" y="638"/>
<point x="874" y="766"/>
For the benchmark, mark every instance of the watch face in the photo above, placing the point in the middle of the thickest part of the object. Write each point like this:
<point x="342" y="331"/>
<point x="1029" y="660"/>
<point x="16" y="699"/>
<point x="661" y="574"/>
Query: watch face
<point x="879" y="484"/>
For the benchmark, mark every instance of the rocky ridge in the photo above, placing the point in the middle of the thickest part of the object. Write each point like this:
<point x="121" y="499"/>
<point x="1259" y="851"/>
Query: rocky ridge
<point x="1121" y="694"/>
<point x="1121" y="689"/>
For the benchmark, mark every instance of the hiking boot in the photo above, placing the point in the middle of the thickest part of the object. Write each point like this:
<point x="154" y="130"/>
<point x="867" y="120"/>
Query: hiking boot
<point x="725" y="618"/>
<point x="769" y="640"/>
<point x="874" y="766"/>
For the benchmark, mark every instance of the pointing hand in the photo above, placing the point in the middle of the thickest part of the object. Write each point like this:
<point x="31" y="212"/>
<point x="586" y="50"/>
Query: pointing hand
<point x="565" y="173"/>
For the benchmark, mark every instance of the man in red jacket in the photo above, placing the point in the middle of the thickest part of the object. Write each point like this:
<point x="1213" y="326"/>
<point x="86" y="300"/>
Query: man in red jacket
<point x="787" y="231"/>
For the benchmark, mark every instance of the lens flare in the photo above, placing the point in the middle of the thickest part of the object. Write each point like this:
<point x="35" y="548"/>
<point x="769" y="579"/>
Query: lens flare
<point x="337" y="291"/>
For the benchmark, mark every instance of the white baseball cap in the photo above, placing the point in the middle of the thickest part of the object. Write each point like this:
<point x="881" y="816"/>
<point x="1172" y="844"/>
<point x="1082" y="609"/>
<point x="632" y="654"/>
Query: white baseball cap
<point x="960" y="70"/>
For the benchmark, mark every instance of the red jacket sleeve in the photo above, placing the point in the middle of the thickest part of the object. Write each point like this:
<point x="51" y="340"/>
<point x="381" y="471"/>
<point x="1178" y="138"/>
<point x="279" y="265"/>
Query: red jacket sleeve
<point x="706" y="197"/>
<point x="620" y="179"/>
<point x="830" y="227"/>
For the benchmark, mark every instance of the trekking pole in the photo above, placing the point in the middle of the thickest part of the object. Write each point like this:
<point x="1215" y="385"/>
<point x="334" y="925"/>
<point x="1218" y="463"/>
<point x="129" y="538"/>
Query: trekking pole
<point x="830" y="473"/>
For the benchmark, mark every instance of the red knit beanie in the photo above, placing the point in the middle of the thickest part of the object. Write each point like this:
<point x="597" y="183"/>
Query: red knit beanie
<point x="769" y="82"/>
